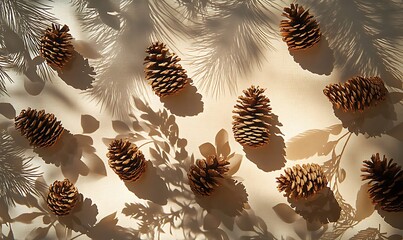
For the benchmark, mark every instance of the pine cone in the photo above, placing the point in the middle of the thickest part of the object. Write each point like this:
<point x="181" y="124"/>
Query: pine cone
<point x="300" y="30"/>
<point x="251" y="120"/>
<point x="302" y="181"/>
<point x="56" y="46"/>
<point x="203" y="175"/>
<point x="40" y="128"/>
<point x="356" y="94"/>
<point x="126" y="160"/>
<point x="385" y="183"/>
<point x="62" y="197"/>
<point x="163" y="71"/>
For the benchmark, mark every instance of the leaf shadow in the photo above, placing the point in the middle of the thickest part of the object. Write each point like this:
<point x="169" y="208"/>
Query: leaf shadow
<point x="77" y="73"/>
<point x="186" y="103"/>
<point x="7" y="110"/>
<point x="318" y="59"/>
<point x="372" y="122"/>
<point x="68" y="154"/>
<point x="150" y="186"/>
<point x="82" y="217"/>
<point x="322" y="207"/>
<point x="270" y="157"/>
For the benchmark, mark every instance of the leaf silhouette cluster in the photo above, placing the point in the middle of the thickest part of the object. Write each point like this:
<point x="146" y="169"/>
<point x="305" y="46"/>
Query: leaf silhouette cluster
<point x="205" y="217"/>
<point x="82" y="220"/>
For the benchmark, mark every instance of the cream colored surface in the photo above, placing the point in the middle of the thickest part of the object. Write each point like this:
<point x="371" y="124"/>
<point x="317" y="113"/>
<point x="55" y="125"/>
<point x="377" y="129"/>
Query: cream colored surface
<point x="296" y="98"/>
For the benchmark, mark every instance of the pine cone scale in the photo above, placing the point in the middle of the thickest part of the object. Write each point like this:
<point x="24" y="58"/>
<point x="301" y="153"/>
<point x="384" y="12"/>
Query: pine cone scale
<point x="203" y="175"/>
<point x="385" y="182"/>
<point x="62" y="197"/>
<point x="126" y="160"/>
<point x="302" y="181"/>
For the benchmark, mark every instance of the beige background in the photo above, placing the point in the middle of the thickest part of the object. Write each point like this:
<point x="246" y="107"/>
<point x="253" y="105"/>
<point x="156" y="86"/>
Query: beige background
<point x="357" y="39"/>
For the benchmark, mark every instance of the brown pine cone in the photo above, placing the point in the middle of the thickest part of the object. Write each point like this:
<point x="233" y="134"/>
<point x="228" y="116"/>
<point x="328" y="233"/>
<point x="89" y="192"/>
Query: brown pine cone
<point x="302" y="181"/>
<point x="126" y="160"/>
<point x="203" y="175"/>
<point x="56" y="46"/>
<point x="252" y="118"/>
<point x="357" y="93"/>
<point x="62" y="197"/>
<point x="40" y="128"/>
<point x="300" y="30"/>
<point x="385" y="183"/>
<point x="165" y="75"/>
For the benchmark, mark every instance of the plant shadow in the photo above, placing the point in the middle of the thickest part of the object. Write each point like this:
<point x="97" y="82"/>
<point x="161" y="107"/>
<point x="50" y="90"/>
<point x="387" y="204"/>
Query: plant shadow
<point x="270" y="157"/>
<point x="364" y="37"/>
<point x="318" y="59"/>
<point x="374" y="121"/>
<point x="77" y="73"/>
<point x="229" y="198"/>
<point x="393" y="218"/>
<point x="150" y="186"/>
<point x="322" y="207"/>
<point x="186" y="103"/>
<point x="68" y="153"/>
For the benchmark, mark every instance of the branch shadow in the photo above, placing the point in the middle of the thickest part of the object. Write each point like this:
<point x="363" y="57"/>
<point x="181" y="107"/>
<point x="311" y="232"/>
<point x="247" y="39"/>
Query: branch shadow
<point x="150" y="186"/>
<point x="372" y="122"/>
<point x="364" y="36"/>
<point x="322" y="207"/>
<point x="77" y="73"/>
<point x="123" y="32"/>
<point x="226" y="51"/>
<point x="186" y="103"/>
<point x="22" y="26"/>
<point x="270" y="157"/>
<point x="318" y="59"/>
<point x="17" y="174"/>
